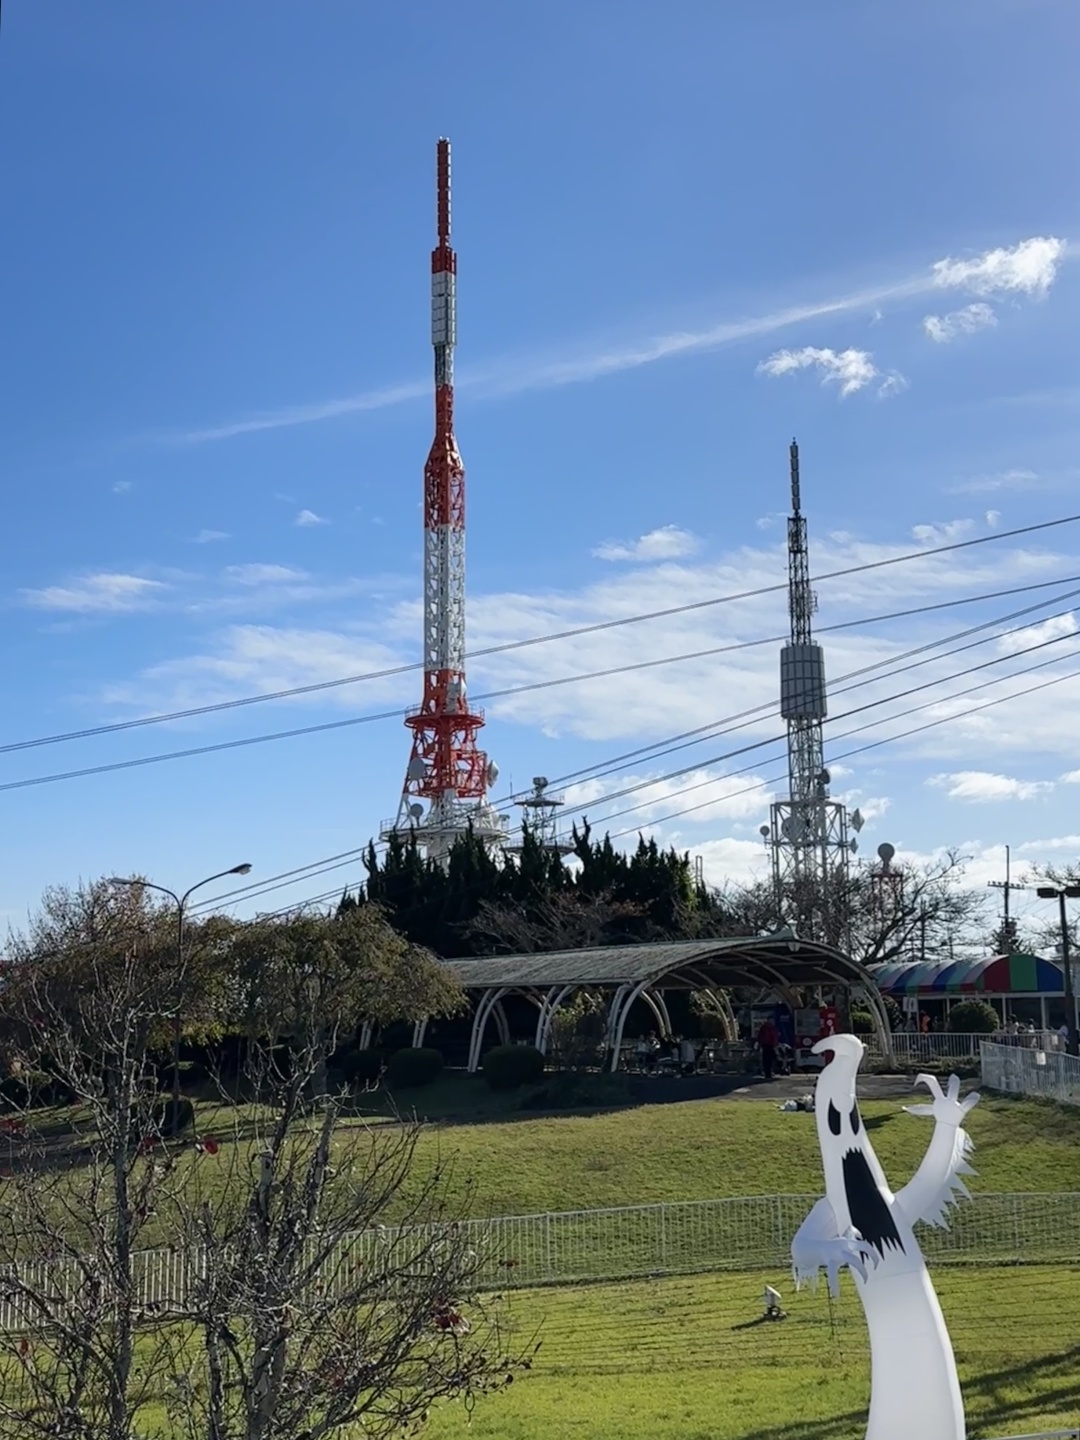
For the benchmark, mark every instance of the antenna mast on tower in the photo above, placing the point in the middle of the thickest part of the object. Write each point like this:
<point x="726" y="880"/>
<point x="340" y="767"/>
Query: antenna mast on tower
<point x="808" y="832"/>
<point x="447" y="779"/>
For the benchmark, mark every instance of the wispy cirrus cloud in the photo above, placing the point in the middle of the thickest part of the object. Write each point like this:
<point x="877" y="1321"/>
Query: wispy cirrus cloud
<point x="1006" y="481"/>
<point x="307" y="518"/>
<point x="105" y="593"/>
<point x="669" y="542"/>
<point x="944" y="328"/>
<point x="1026" y="268"/>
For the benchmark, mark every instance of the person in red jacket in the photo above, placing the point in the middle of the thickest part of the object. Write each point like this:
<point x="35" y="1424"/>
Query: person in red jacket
<point x="768" y="1037"/>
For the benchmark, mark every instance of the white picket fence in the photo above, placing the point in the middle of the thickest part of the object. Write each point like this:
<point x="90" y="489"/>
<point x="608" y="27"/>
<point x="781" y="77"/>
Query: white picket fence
<point x="523" y="1251"/>
<point x="1051" y="1074"/>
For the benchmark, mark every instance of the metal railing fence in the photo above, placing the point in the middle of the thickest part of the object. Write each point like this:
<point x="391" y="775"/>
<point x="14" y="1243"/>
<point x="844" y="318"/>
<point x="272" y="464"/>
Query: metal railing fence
<point x="1051" y="1074"/>
<point x="909" y="1048"/>
<point x="577" y="1246"/>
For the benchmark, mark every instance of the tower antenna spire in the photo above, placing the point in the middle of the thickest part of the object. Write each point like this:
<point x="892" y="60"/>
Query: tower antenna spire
<point x="808" y="832"/>
<point x="447" y="778"/>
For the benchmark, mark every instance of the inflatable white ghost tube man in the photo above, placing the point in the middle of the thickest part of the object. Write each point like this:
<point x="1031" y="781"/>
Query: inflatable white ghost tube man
<point x="861" y="1224"/>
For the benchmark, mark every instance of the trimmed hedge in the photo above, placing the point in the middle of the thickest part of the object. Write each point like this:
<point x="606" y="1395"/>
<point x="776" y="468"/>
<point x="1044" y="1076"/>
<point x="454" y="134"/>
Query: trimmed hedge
<point x="973" y="1017"/>
<point x="410" y="1068"/>
<point x="358" y="1067"/>
<point x="508" y="1067"/>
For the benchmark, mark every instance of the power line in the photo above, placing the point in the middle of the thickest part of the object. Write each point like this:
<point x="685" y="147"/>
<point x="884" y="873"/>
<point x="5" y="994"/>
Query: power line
<point x="388" y="672"/>
<point x="888" y="739"/>
<point x="324" y="727"/>
<point x="339" y="861"/>
<point x="847" y="754"/>
<point x="847" y="714"/>
<point x="770" y="707"/>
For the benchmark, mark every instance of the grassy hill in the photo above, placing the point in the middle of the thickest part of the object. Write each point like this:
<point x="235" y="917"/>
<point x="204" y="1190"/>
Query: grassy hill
<point x="705" y="1149"/>
<point x="683" y="1360"/>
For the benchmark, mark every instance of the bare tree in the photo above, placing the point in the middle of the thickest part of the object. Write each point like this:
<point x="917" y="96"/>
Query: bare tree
<point x="287" y="1278"/>
<point x="924" y="909"/>
<point x="564" y="920"/>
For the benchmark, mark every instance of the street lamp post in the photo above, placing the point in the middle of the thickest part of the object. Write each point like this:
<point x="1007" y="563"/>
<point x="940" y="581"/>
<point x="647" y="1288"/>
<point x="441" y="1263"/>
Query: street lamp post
<point x="1061" y="893"/>
<point x="180" y="901"/>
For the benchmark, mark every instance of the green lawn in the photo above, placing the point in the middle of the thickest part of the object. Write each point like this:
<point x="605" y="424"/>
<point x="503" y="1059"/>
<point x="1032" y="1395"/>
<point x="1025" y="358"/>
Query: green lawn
<point x="703" y="1149"/>
<point x="677" y="1360"/>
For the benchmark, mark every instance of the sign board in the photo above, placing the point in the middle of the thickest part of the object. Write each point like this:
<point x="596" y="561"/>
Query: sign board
<point x="911" y="1004"/>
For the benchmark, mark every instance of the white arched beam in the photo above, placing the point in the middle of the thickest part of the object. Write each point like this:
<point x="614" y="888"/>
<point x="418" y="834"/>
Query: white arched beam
<point x="487" y="1003"/>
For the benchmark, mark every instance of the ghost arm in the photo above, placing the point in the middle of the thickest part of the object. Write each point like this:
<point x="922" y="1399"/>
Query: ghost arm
<point x="819" y="1245"/>
<point x="937" y="1183"/>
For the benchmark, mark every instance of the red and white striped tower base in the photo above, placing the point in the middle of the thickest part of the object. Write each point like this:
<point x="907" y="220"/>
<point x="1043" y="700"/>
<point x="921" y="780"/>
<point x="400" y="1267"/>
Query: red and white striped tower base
<point x="447" y="779"/>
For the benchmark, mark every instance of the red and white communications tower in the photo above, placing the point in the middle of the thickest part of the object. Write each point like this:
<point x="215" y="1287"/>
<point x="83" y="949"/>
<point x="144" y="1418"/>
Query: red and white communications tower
<point x="448" y="776"/>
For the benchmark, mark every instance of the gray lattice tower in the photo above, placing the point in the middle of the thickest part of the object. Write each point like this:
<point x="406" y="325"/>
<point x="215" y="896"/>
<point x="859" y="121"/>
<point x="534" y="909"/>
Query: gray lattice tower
<point x="808" y="832"/>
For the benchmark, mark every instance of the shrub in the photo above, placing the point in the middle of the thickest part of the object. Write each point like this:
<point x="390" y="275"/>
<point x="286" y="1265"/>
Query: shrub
<point x="359" y="1067"/>
<point x="574" y="1090"/>
<point x="974" y="1017"/>
<point x="508" y="1067"/>
<point x="862" y="1022"/>
<point x="409" y="1068"/>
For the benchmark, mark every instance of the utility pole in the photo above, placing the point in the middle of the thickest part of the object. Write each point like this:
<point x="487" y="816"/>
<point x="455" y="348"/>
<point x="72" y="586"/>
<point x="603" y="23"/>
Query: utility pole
<point x="1007" y="886"/>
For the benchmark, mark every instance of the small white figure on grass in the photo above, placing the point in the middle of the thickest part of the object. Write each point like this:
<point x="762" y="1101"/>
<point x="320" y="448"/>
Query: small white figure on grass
<point x="772" y="1304"/>
<point x="861" y="1224"/>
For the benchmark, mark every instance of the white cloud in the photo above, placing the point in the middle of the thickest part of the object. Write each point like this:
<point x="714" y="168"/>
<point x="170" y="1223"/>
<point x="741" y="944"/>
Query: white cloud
<point x="993" y="518"/>
<point x="263" y="574"/>
<point x="207" y="537"/>
<point x="1028" y="268"/>
<point x="893" y="384"/>
<point x="942" y="534"/>
<point x="100" y="594"/>
<point x="121" y="487"/>
<point x="980" y="786"/>
<point x="257" y="659"/>
<point x="1071" y="777"/>
<point x="307" y="518"/>
<point x="1058" y="627"/>
<point x="1008" y="480"/>
<point x="943" y="328"/>
<point x="851" y="370"/>
<point x="669" y="542"/>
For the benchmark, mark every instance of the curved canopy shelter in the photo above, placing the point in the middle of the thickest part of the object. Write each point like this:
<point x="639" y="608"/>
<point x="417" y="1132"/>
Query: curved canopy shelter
<point x="1003" y="975"/>
<point x="780" y="963"/>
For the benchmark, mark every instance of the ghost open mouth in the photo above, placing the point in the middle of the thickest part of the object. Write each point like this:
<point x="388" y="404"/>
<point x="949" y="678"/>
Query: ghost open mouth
<point x="867" y="1207"/>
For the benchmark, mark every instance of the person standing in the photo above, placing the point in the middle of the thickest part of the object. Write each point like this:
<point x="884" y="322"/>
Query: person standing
<point x="768" y="1037"/>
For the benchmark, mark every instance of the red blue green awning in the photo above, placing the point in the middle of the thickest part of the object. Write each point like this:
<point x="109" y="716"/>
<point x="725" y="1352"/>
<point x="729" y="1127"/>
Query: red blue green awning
<point x="998" y="975"/>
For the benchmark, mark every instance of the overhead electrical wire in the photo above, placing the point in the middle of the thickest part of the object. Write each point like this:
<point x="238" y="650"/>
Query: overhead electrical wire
<point x="888" y="739"/>
<point x="759" y="785"/>
<point x="331" y="861"/>
<point x="323" y="727"/>
<point x="859" y="709"/>
<point x="770" y="707"/>
<point x="388" y="672"/>
<point x="345" y="858"/>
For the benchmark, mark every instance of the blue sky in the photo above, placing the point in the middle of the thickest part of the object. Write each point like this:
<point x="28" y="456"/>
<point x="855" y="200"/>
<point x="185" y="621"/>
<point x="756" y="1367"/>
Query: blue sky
<point x="685" y="233"/>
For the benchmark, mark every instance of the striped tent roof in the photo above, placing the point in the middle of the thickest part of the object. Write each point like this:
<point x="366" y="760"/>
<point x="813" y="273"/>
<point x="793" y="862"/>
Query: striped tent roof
<point x="998" y="975"/>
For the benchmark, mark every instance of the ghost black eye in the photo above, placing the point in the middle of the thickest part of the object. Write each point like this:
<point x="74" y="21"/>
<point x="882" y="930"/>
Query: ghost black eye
<point x="855" y="1122"/>
<point x="834" y="1119"/>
